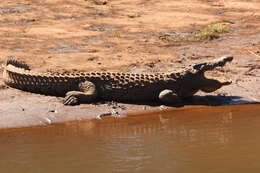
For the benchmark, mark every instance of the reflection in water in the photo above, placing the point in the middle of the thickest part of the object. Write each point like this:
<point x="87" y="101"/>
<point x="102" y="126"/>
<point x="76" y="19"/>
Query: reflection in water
<point x="200" y="139"/>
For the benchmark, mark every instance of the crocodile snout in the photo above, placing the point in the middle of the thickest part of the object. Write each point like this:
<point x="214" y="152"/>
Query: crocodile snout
<point x="218" y="62"/>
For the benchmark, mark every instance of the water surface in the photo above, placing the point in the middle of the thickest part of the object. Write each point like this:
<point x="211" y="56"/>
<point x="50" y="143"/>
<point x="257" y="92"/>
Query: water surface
<point x="202" y="139"/>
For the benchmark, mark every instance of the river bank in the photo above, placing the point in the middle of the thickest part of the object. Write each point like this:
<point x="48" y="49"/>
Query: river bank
<point x="129" y="37"/>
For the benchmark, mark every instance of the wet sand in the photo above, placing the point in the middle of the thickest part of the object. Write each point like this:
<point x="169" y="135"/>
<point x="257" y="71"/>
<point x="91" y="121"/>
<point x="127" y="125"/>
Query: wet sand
<point x="129" y="37"/>
<point x="88" y="125"/>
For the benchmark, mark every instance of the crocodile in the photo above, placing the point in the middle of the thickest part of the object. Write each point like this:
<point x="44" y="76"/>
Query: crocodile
<point x="88" y="87"/>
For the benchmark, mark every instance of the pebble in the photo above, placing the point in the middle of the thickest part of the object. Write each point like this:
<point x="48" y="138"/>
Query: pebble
<point x="54" y="111"/>
<point x="162" y="107"/>
<point x="48" y="120"/>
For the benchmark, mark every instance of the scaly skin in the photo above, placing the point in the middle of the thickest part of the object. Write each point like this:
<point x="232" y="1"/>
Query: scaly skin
<point x="126" y="87"/>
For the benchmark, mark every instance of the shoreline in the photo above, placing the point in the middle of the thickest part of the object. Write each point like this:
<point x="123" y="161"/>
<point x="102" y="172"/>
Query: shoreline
<point x="141" y="116"/>
<point x="126" y="37"/>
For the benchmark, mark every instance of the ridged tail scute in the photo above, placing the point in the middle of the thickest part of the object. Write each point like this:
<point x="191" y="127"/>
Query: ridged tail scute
<point x="17" y="74"/>
<point x="16" y="62"/>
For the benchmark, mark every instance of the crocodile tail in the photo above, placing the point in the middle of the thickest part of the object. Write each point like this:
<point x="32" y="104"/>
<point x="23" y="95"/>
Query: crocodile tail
<point x="16" y="62"/>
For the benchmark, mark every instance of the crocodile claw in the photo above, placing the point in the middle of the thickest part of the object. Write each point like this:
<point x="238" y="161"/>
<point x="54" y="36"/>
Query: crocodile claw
<point x="71" y="100"/>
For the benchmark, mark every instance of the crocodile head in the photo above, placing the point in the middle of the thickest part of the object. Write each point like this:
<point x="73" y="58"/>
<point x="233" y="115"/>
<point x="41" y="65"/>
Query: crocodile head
<point x="196" y="80"/>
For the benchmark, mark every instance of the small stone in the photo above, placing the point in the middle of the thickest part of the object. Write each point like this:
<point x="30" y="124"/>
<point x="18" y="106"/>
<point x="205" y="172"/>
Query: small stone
<point x="99" y="117"/>
<point x="48" y="120"/>
<point x="162" y="107"/>
<point x="114" y="112"/>
<point x="54" y="111"/>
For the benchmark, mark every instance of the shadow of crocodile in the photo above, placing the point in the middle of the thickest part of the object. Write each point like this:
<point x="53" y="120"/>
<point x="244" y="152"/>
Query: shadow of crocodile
<point x="208" y="100"/>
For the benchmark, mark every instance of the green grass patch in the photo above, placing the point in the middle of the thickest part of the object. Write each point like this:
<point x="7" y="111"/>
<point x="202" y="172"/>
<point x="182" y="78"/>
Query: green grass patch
<point x="166" y="37"/>
<point x="131" y="15"/>
<point x="213" y="31"/>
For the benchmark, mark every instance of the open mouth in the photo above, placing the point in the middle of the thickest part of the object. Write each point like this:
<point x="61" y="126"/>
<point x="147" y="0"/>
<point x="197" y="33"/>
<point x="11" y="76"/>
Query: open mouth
<point x="213" y="73"/>
<point x="219" y="73"/>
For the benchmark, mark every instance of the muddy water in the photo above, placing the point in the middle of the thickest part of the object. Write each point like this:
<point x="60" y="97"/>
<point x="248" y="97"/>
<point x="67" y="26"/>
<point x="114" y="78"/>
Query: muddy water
<point x="200" y="139"/>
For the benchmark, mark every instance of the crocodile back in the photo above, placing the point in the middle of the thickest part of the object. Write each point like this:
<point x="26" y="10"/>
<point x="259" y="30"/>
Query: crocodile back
<point x="110" y="85"/>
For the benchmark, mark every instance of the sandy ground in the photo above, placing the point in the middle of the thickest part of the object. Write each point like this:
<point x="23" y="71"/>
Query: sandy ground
<point x="125" y="35"/>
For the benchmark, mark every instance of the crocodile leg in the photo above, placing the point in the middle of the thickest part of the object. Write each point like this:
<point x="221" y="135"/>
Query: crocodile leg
<point x="87" y="93"/>
<point x="168" y="97"/>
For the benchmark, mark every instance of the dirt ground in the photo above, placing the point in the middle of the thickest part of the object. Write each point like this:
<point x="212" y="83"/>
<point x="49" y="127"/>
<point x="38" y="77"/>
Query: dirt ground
<point x="128" y="36"/>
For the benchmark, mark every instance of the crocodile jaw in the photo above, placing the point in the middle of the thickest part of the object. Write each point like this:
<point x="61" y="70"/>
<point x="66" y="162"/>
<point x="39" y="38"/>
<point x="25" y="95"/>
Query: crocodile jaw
<point x="211" y="85"/>
<point x="211" y="65"/>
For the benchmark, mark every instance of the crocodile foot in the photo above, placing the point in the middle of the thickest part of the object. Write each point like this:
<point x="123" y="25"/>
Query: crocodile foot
<point x="168" y="97"/>
<point x="87" y="94"/>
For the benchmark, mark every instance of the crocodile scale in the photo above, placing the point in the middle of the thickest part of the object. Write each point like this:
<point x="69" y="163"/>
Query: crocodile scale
<point x="116" y="86"/>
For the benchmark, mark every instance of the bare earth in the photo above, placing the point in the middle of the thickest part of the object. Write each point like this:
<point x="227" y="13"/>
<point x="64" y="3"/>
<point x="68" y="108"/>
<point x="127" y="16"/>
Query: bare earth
<point x="128" y="36"/>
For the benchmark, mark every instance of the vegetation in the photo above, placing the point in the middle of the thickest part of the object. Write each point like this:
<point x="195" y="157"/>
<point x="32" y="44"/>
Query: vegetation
<point x="131" y="15"/>
<point x="213" y="31"/>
